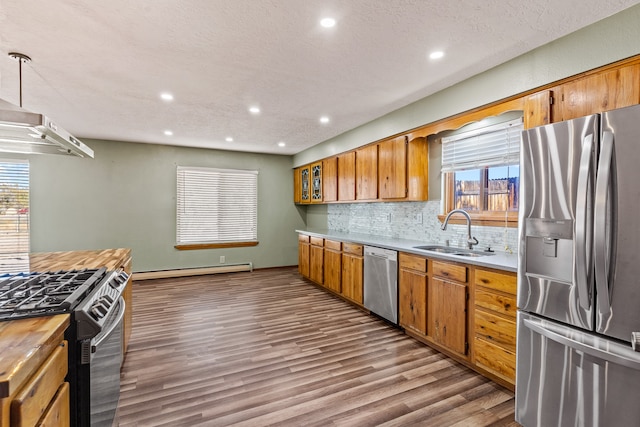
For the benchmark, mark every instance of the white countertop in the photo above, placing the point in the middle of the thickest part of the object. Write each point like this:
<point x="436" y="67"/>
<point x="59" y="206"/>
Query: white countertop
<point x="499" y="260"/>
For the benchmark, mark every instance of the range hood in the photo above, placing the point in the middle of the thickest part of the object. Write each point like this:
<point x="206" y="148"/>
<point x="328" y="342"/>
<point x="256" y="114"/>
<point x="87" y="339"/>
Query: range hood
<point x="22" y="131"/>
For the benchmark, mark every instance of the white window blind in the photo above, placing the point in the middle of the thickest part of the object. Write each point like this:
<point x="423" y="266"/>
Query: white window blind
<point x="14" y="216"/>
<point x="495" y="145"/>
<point x="216" y="205"/>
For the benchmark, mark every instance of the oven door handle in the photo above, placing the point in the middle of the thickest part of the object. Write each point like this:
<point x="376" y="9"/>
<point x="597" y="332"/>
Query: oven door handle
<point x="107" y="334"/>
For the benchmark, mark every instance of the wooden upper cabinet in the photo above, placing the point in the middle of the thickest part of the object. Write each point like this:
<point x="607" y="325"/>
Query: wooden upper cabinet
<point x="316" y="182"/>
<point x="347" y="176"/>
<point x="367" y="172"/>
<point x="305" y="184"/>
<point x="608" y="90"/>
<point x="330" y="179"/>
<point x="297" y="189"/>
<point x="392" y="168"/>
<point x="417" y="169"/>
<point x="537" y="109"/>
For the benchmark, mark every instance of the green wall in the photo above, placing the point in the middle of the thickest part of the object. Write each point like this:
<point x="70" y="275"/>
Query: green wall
<point x="125" y="197"/>
<point x="604" y="42"/>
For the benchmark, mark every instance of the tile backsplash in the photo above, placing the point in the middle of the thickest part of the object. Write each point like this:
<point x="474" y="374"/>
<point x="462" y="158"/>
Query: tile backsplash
<point x="415" y="221"/>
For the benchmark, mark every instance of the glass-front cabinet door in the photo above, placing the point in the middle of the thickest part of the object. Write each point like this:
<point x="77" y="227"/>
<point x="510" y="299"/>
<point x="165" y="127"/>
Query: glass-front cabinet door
<point x="316" y="182"/>
<point x="305" y="196"/>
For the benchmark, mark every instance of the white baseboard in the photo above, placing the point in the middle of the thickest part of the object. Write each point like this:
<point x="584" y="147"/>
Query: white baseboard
<point x="184" y="272"/>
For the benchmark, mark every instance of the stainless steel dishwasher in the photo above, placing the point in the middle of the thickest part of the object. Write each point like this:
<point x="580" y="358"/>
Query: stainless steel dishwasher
<point x="381" y="282"/>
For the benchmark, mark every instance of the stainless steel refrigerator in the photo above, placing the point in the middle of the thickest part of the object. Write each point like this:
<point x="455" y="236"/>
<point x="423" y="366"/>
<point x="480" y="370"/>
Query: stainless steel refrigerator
<point x="578" y="341"/>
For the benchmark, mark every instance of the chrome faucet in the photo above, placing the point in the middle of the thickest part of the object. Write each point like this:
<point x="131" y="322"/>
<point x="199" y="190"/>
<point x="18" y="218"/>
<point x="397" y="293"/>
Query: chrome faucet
<point x="470" y="240"/>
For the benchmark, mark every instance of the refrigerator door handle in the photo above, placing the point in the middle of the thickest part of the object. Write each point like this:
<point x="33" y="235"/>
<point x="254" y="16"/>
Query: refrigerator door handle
<point x="619" y="357"/>
<point x="604" y="249"/>
<point x="583" y="233"/>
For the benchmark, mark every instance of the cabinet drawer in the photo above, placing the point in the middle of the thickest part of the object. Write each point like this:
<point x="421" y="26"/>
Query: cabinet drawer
<point x="500" y="303"/>
<point x="333" y="245"/>
<point x="496" y="329"/>
<point x="317" y="241"/>
<point x="413" y="262"/>
<point x="450" y="271"/>
<point x="352" y="248"/>
<point x="57" y="415"/>
<point x="33" y="399"/>
<point x="503" y="282"/>
<point x="303" y="238"/>
<point x="496" y="359"/>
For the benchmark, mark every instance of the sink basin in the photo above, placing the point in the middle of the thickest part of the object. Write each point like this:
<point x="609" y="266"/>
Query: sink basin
<point x="453" y="251"/>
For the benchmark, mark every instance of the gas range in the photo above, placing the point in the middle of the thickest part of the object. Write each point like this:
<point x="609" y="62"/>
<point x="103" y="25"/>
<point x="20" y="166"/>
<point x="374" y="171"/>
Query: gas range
<point x="92" y="298"/>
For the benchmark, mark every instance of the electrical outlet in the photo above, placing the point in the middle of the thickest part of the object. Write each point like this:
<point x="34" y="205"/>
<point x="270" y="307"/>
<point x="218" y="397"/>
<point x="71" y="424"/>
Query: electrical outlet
<point x="418" y="218"/>
<point x="223" y="259"/>
<point x="389" y="217"/>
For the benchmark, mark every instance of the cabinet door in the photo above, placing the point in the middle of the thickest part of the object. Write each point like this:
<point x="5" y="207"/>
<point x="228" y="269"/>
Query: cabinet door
<point x="392" y="168"/>
<point x="448" y="314"/>
<point x="303" y="259"/>
<point x="305" y="184"/>
<point x="367" y="173"/>
<point x="330" y="179"/>
<point x="413" y="300"/>
<point x="333" y="270"/>
<point x="297" y="185"/>
<point x="317" y="264"/>
<point x="604" y="91"/>
<point x="352" y="277"/>
<point x="418" y="169"/>
<point x="537" y="109"/>
<point x="316" y="182"/>
<point x="347" y="176"/>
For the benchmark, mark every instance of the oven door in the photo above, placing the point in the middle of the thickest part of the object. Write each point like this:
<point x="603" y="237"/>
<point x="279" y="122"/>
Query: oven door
<point x="106" y="358"/>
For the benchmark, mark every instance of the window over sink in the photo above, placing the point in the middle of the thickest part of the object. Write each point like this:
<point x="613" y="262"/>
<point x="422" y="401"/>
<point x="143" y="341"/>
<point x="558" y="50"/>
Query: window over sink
<point x="481" y="173"/>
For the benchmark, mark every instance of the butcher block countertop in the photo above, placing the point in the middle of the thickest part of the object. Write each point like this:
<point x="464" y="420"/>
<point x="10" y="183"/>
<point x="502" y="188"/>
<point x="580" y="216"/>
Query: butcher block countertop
<point x="76" y="260"/>
<point x="24" y="345"/>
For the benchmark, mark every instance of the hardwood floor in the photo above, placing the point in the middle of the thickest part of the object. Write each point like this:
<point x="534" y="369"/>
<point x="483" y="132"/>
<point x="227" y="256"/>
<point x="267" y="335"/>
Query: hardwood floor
<point x="270" y="348"/>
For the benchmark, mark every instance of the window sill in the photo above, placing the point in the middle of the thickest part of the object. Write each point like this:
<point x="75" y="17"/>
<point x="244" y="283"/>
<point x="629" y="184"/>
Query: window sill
<point x="195" y="246"/>
<point x="486" y="219"/>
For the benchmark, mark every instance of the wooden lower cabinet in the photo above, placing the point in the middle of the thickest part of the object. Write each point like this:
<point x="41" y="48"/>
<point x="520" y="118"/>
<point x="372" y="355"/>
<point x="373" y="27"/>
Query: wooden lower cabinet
<point x="303" y="255"/>
<point x="316" y="260"/>
<point x="448" y="314"/>
<point x="333" y="265"/>
<point x="352" y="272"/>
<point x="412" y="294"/>
<point x="495" y="323"/>
<point x="33" y="367"/>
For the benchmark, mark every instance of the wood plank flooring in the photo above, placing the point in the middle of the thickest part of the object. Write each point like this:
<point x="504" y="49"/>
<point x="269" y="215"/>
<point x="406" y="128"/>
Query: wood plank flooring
<point x="270" y="348"/>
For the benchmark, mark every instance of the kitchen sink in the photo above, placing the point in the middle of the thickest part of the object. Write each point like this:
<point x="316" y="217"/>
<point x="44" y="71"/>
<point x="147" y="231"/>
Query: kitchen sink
<point x="453" y="251"/>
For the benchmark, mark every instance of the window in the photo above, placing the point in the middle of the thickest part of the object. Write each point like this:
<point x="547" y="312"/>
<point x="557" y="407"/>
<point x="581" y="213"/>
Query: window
<point x="216" y="207"/>
<point x="481" y="171"/>
<point x="14" y="216"/>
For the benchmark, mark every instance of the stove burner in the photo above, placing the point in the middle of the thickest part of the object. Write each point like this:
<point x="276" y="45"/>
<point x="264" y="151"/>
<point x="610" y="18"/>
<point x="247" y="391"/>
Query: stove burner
<point x="39" y="294"/>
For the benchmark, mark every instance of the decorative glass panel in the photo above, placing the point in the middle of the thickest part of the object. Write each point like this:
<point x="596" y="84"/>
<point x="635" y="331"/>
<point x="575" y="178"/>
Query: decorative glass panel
<point x="305" y="184"/>
<point x="316" y="191"/>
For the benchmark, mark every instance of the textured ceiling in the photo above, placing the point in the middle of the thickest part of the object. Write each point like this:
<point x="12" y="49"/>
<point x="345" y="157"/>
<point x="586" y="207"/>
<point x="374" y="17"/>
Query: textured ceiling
<point x="99" y="66"/>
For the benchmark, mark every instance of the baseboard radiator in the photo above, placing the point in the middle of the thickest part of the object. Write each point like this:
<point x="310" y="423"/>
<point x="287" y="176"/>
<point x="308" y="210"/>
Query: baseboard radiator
<point x="184" y="272"/>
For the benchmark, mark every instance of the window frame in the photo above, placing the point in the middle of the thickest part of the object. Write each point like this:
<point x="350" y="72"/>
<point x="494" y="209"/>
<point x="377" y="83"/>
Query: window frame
<point x="481" y="217"/>
<point x="231" y="243"/>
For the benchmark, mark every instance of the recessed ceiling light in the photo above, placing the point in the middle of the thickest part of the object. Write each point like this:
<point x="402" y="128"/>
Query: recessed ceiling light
<point x="436" y="54"/>
<point x="168" y="132"/>
<point x="166" y="96"/>
<point x="254" y="110"/>
<point x="324" y="119"/>
<point x="281" y="144"/>
<point x="228" y="139"/>
<point x="328" y="22"/>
